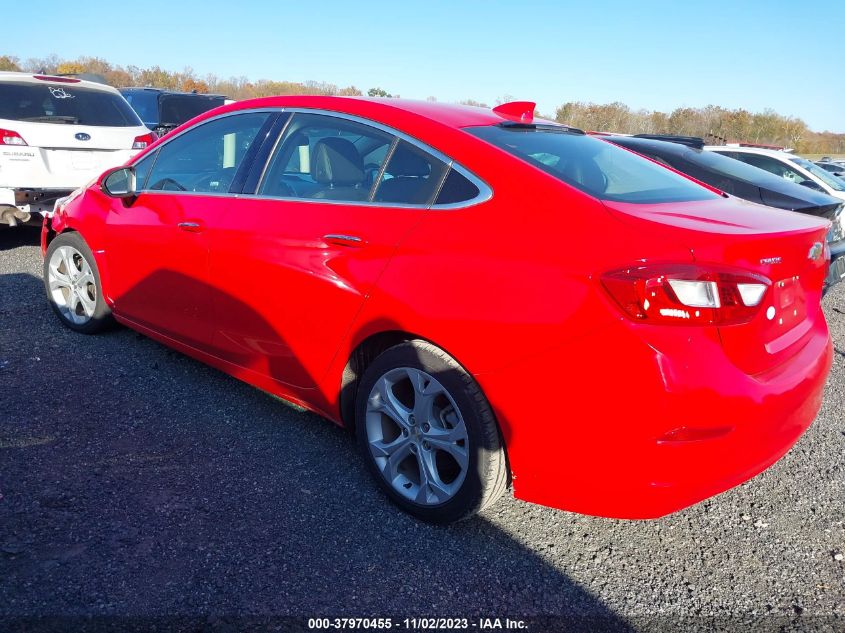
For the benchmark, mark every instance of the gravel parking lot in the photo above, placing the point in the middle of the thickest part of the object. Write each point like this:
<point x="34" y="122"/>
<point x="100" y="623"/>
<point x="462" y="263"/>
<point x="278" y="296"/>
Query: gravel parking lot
<point x="138" y="483"/>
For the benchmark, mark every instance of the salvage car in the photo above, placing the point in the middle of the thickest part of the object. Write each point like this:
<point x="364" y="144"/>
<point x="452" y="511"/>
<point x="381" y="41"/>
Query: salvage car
<point x="461" y="286"/>
<point x="748" y="182"/>
<point x="56" y="134"/>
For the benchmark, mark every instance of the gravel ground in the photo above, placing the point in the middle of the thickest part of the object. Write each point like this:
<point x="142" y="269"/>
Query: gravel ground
<point x="138" y="483"/>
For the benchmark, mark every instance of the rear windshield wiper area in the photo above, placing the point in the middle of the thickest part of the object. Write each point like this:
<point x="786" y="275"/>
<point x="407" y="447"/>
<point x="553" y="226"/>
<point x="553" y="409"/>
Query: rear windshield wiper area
<point x="541" y="127"/>
<point x="53" y="118"/>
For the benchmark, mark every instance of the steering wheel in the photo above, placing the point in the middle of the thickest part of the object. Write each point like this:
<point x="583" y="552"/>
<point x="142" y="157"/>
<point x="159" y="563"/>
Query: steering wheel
<point x="167" y="184"/>
<point x="222" y="180"/>
<point x="370" y="172"/>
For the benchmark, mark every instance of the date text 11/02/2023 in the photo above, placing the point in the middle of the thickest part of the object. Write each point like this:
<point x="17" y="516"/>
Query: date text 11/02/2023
<point x="421" y="623"/>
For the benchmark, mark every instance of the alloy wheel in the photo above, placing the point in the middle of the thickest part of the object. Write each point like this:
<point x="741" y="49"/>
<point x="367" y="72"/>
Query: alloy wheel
<point x="417" y="436"/>
<point x="72" y="286"/>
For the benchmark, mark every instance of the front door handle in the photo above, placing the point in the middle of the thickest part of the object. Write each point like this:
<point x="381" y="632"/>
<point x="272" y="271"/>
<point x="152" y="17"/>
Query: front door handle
<point x="343" y="240"/>
<point x="191" y="227"/>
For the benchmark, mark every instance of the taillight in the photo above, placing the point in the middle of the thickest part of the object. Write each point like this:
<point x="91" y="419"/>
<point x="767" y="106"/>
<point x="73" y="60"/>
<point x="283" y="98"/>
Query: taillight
<point x="687" y="294"/>
<point x="8" y="137"/>
<point x="141" y="142"/>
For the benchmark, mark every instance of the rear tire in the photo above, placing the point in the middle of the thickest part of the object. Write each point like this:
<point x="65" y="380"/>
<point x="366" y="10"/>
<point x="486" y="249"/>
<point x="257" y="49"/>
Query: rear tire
<point x="73" y="286"/>
<point x="428" y="434"/>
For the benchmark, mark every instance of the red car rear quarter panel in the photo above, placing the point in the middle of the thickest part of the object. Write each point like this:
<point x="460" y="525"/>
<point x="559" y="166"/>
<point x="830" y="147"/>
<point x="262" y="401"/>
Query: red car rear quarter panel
<point x="593" y="447"/>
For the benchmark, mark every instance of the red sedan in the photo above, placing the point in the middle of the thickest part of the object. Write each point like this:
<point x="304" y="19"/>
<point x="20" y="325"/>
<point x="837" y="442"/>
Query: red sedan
<point x="485" y="298"/>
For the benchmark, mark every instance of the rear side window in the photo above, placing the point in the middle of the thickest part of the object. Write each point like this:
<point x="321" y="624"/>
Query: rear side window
<point x="456" y="188"/>
<point x="411" y="176"/>
<point x="326" y="158"/>
<point x="65" y="104"/>
<point x="596" y="167"/>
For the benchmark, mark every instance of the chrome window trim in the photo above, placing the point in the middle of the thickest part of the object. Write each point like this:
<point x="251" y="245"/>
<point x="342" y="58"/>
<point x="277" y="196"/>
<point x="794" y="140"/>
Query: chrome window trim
<point x="485" y="193"/>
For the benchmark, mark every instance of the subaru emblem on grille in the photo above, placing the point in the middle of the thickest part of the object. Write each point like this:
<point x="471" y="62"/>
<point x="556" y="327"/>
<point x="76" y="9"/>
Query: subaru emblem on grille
<point x="816" y="251"/>
<point x="82" y="136"/>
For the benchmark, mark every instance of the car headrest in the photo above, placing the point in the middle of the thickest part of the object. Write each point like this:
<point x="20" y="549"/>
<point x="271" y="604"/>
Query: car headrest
<point x="337" y="162"/>
<point x="408" y="163"/>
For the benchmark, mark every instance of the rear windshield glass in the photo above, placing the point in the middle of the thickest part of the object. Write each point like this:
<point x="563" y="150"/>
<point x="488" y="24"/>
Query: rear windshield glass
<point x="596" y="167"/>
<point x="50" y="103"/>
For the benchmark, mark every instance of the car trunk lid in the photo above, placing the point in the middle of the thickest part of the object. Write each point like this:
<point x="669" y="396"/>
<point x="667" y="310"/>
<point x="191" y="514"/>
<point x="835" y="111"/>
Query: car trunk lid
<point x="785" y="247"/>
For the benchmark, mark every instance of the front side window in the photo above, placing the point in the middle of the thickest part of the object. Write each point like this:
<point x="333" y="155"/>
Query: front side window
<point x="67" y="104"/>
<point x="206" y="158"/>
<point x="830" y="180"/>
<point x="598" y="168"/>
<point x="326" y="158"/>
<point x="142" y="170"/>
<point x="776" y="167"/>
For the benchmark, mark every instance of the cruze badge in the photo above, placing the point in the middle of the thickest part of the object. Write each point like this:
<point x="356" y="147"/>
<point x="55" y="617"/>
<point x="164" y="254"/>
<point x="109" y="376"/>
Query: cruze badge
<point x="816" y="251"/>
<point x="771" y="260"/>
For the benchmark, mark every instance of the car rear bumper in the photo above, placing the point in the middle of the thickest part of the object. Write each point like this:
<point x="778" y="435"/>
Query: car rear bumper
<point x="22" y="206"/>
<point x="645" y="428"/>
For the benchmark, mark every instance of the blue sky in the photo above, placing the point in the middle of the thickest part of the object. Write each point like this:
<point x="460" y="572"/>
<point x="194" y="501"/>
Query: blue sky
<point x="784" y="55"/>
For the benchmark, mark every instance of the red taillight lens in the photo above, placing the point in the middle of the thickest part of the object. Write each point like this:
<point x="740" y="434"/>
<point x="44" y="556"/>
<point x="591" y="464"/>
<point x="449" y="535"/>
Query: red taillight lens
<point x="9" y="137"/>
<point x="687" y="294"/>
<point x="141" y="142"/>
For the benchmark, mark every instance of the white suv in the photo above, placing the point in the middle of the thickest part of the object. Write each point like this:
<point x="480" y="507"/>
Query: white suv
<point x="786" y="165"/>
<point x="56" y="134"/>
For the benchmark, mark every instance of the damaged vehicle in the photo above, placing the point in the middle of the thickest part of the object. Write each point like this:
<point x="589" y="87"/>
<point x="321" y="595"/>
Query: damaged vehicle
<point x="462" y="287"/>
<point x="57" y="134"/>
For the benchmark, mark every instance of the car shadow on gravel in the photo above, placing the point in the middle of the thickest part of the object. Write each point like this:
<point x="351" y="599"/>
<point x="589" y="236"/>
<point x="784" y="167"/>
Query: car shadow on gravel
<point x="138" y="483"/>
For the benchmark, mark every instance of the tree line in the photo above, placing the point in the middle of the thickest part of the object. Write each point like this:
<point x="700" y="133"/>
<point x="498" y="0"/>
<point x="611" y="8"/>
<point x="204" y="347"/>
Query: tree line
<point x="713" y="123"/>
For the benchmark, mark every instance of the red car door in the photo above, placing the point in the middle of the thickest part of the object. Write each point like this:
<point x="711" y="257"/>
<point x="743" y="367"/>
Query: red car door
<point x="295" y="262"/>
<point x="158" y="244"/>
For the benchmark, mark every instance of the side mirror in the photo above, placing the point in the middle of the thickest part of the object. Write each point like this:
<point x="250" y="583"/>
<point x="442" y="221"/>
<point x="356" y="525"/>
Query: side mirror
<point x="119" y="182"/>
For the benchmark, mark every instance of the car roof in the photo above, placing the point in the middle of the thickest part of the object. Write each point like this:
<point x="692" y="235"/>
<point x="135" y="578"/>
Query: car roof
<point x="390" y="111"/>
<point x="54" y="80"/>
<point x="170" y="92"/>
<point x="776" y="153"/>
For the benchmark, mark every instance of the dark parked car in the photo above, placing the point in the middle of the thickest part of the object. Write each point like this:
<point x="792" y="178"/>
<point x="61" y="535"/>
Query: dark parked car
<point x="745" y="181"/>
<point x="165" y="110"/>
<point x="836" y="169"/>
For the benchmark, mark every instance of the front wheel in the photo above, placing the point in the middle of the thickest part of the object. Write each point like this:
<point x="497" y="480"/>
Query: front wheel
<point x="428" y="435"/>
<point x="72" y="282"/>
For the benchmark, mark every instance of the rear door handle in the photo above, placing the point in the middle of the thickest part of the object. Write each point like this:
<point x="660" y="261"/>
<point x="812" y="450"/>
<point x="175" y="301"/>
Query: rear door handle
<point x="343" y="240"/>
<point x="191" y="227"/>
